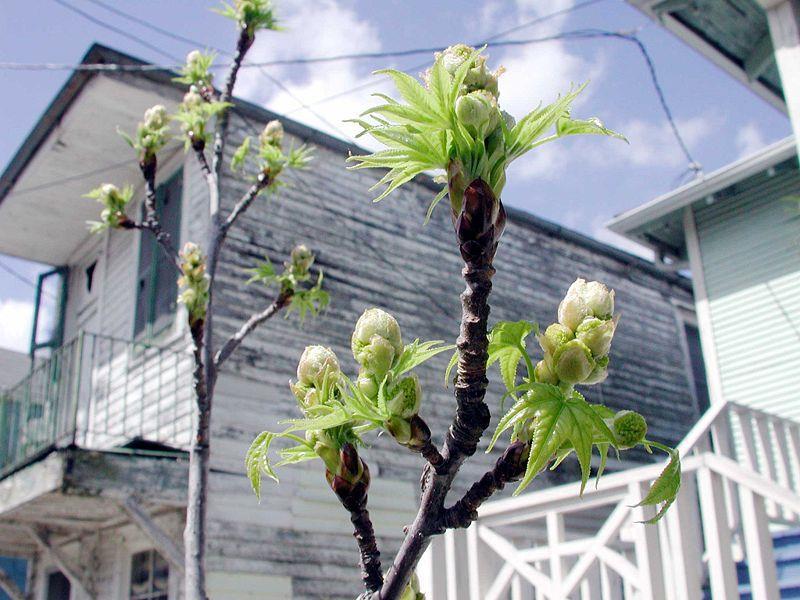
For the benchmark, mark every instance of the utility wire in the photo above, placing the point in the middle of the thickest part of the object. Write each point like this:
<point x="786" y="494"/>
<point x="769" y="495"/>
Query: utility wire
<point x="195" y="43"/>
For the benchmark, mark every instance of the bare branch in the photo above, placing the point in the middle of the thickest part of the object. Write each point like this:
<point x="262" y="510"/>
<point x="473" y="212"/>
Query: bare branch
<point x="243" y="44"/>
<point x="509" y="467"/>
<point x="364" y="533"/>
<point x="249" y="326"/>
<point x="243" y="204"/>
<point x="151" y="222"/>
<point x="478" y="229"/>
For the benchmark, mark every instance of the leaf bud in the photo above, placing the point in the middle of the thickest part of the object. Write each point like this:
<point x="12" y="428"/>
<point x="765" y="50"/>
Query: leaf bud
<point x="316" y="364"/>
<point x="407" y="398"/>
<point x="573" y="362"/>
<point x="630" y="428"/>
<point x="543" y="374"/>
<point x="301" y="258"/>
<point x="596" y="334"/>
<point x="376" y="340"/>
<point x="155" y="117"/>
<point x="400" y="429"/>
<point x="478" y="110"/>
<point x="412" y="590"/>
<point x="272" y="135"/>
<point x="555" y="336"/>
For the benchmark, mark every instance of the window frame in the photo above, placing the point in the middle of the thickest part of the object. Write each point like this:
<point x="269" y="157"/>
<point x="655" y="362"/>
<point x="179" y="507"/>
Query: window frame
<point x="156" y="328"/>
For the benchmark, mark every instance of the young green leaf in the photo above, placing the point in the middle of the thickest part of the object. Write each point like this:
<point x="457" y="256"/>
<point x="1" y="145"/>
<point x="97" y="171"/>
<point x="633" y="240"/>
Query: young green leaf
<point x="507" y="347"/>
<point x="416" y="353"/>
<point x="665" y="488"/>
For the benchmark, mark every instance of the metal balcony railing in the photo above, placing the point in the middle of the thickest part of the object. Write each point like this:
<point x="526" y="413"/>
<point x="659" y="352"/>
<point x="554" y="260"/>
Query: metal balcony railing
<point x="97" y="392"/>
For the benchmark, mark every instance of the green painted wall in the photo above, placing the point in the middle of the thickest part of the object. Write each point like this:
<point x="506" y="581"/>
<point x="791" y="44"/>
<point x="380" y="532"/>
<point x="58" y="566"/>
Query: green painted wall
<point x="750" y="246"/>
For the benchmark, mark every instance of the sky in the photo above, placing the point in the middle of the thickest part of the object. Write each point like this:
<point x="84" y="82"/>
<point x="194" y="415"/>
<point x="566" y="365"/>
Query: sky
<point x="579" y="183"/>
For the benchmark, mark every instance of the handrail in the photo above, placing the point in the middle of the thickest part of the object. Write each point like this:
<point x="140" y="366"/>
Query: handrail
<point x="97" y="391"/>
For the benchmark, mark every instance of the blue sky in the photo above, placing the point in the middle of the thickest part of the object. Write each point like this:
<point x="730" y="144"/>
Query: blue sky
<point x="577" y="183"/>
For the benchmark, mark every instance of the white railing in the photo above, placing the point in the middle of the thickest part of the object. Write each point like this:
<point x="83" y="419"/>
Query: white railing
<point x="741" y="482"/>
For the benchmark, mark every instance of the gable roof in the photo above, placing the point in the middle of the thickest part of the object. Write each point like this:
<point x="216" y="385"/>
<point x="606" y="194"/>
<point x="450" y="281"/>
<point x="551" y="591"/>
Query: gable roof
<point x="100" y="54"/>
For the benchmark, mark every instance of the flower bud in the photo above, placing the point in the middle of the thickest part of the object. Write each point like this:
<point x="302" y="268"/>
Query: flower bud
<point x="454" y="56"/>
<point x="543" y="374"/>
<point x="155" y="117"/>
<point x="316" y="364"/>
<point x="573" y="309"/>
<point x="630" y="428"/>
<point x="367" y="385"/>
<point x="573" y="362"/>
<point x="192" y="99"/>
<point x="193" y="57"/>
<point x="301" y="258"/>
<point x="407" y="398"/>
<point x="599" y="299"/>
<point x="272" y="134"/>
<point x="554" y="337"/>
<point x="480" y="78"/>
<point x="109" y="190"/>
<point x="376" y="340"/>
<point x="478" y="110"/>
<point x="598" y="375"/>
<point x="596" y="334"/>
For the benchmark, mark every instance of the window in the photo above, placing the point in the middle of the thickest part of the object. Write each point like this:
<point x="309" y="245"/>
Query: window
<point x="58" y="586"/>
<point x="156" y="281"/>
<point x="149" y="576"/>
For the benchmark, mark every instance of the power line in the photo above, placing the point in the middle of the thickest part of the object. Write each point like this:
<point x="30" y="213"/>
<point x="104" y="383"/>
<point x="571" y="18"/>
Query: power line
<point x="17" y="275"/>
<point x="192" y="42"/>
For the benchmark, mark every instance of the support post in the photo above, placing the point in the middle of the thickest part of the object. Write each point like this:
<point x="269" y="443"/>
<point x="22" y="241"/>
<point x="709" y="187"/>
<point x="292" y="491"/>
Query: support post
<point x="57" y="557"/>
<point x="168" y="548"/>
<point x="647" y="548"/>
<point x="721" y="566"/>
<point x="783" y="17"/>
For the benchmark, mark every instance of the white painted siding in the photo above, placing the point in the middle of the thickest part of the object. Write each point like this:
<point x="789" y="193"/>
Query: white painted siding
<point x="750" y="247"/>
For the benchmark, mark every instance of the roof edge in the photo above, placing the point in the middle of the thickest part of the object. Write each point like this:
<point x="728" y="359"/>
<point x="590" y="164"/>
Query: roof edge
<point x="695" y="190"/>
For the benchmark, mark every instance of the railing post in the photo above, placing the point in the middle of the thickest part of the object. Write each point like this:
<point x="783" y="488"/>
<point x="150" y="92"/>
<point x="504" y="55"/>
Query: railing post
<point x="556" y="537"/>
<point x="717" y="535"/>
<point x="77" y="393"/>
<point x="647" y="547"/>
<point x="685" y="542"/>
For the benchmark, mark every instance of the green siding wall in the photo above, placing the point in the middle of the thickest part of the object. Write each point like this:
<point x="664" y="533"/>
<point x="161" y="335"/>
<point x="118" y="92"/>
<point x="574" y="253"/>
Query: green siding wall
<point x="750" y="246"/>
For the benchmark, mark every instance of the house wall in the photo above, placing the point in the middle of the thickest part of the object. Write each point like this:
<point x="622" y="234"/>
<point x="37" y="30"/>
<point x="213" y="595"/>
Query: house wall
<point x="749" y="246"/>
<point x="383" y="255"/>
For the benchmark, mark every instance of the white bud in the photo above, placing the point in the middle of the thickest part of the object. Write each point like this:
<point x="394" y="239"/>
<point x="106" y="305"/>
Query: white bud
<point x="272" y="134"/>
<point x="317" y="363"/>
<point x="599" y="299"/>
<point x="407" y="398"/>
<point x="155" y="117"/>
<point x="379" y="323"/>
<point x="193" y="57"/>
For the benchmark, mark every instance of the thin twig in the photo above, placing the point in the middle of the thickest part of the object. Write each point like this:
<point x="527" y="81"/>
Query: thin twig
<point x="249" y="326"/>
<point x="151" y="222"/>
<point x="243" y="204"/>
<point x="370" y="558"/>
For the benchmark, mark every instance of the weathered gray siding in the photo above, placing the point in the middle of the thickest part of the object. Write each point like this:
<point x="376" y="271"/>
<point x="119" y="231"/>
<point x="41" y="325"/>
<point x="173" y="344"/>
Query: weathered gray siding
<point x="382" y="255"/>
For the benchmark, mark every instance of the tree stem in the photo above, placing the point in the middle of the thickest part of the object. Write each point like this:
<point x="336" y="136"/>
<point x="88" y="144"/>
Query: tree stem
<point x="364" y="533"/>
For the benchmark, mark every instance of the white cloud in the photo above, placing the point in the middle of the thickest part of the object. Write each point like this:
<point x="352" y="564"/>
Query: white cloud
<point x="322" y="28"/>
<point x="16" y="318"/>
<point x="749" y="139"/>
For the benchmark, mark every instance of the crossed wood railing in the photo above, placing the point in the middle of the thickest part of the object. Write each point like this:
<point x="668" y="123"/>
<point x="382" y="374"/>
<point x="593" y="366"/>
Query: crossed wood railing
<point x="741" y="483"/>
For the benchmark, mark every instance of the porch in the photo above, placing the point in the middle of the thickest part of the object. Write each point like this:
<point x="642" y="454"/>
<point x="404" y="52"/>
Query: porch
<point x="740" y="491"/>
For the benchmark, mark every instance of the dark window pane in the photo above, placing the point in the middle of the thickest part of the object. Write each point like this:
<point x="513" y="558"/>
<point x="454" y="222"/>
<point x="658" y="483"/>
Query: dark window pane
<point x="58" y="586"/>
<point x="697" y="365"/>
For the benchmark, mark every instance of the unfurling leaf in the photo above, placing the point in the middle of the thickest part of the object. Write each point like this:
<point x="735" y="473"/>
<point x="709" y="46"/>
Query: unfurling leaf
<point x="665" y="488"/>
<point x="240" y="156"/>
<point x="507" y="348"/>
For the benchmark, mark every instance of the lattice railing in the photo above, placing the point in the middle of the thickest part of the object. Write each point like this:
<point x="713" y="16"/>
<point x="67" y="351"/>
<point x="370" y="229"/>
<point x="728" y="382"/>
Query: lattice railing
<point x="741" y="482"/>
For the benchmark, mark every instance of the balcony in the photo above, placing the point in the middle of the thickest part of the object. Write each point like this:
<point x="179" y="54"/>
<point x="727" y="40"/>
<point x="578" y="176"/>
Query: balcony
<point x="97" y="392"/>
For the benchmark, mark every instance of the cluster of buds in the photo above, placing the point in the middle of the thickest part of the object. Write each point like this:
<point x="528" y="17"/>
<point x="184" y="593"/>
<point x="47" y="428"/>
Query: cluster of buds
<point x="250" y="16"/>
<point x="576" y="348"/>
<point x="114" y="201"/>
<point x="194" y="282"/>
<point x="199" y="103"/>
<point x="300" y="260"/>
<point x="377" y="344"/>
<point x="317" y="371"/>
<point x="152" y="133"/>
<point x="272" y="134"/>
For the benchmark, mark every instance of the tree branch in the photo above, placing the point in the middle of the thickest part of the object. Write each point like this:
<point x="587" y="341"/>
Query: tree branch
<point x="243" y="204"/>
<point x="249" y="326"/>
<point x="478" y="229"/>
<point x="151" y="222"/>
<point x="364" y="533"/>
<point x="509" y="467"/>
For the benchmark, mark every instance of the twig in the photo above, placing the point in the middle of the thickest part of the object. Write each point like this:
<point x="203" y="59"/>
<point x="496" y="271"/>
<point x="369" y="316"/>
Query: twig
<point x="509" y="467"/>
<point x="151" y="222"/>
<point x="243" y="204"/>
<point x="478" y="228"/>
<point x="248" y="326"/>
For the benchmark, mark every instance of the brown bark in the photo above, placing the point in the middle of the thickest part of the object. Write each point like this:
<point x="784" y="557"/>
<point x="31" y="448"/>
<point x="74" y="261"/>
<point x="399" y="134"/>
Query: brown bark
<point x="478" y="229"/>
